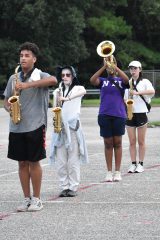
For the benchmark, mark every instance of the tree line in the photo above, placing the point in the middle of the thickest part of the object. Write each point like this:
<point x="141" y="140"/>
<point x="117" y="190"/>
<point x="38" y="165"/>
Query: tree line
<point x="68" y="32"/>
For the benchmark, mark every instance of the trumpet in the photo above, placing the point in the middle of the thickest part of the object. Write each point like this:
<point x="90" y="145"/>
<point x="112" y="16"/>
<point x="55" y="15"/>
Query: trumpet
<point x="106" y="49"/>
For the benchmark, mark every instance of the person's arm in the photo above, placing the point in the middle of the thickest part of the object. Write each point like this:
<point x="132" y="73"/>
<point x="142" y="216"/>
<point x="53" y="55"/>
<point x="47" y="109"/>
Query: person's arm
<point x="122" y="74"/>
<point x="94" y="80"/>
<point x="144" y="92"/>
<point x="6" y="105"/>
<point x="81" y="92"/>
<point x="149" y="89"/>
<point x="45" y="82"/>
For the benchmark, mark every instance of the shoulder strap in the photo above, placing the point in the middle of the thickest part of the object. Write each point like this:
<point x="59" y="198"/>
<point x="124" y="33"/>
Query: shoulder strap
<point x="135" y="87"/>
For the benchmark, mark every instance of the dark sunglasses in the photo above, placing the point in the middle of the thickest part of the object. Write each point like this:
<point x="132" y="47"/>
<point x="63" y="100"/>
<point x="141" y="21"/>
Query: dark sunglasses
<point x="65" y="74"/>
<point x="133" y="68"/>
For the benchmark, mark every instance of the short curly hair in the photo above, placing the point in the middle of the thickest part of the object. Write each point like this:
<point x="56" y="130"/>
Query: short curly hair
<point x="31" y="47"/>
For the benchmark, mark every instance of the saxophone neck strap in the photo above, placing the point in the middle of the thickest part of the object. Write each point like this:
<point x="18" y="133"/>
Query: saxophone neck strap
<point x="135" y="88"/>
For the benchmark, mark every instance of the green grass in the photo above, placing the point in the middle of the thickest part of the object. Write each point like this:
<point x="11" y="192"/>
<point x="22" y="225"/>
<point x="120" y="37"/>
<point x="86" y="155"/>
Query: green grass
<point x="154" y="124"/>
<point x="1" y="103"/>
<point x="155" y="102"/>
<point x="90" y="102"/>
<point x="95" y="102"/>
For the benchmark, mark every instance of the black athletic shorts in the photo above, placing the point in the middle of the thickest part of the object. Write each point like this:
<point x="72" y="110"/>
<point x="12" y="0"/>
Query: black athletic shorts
<point x="138" y="120"/>
<point x="27" y="146"/>
<point x="111" y="126"/>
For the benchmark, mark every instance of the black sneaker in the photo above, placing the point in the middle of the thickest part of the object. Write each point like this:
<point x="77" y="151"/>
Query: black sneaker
<point x="71" y="193"/>
<point x="64" y="193"/>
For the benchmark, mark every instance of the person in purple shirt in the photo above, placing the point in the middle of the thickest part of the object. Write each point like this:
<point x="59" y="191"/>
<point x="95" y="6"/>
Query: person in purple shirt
<point x="112" y="114"/>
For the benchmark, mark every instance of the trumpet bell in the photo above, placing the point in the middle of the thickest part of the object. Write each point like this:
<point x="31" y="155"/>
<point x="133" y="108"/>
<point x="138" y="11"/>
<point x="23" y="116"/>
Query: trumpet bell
<point x="105" y="48"/>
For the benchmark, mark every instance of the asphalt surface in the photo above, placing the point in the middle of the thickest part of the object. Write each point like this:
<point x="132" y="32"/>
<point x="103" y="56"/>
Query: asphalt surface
<point x="126" y="210"/>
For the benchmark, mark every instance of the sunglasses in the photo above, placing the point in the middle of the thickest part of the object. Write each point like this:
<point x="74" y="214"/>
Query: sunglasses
<point x="133" y="68"/>
<point x="65" y="74"/>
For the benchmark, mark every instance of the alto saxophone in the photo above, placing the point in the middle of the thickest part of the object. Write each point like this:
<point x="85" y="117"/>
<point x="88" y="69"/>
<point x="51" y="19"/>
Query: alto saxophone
<point x="129" y="104"/>
<point x="57" y="119"/>
<point x="15" y="111"/>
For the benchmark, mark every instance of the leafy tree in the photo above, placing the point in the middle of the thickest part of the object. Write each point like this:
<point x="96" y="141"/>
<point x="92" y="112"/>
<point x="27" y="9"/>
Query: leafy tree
<point x="69" y="31"/>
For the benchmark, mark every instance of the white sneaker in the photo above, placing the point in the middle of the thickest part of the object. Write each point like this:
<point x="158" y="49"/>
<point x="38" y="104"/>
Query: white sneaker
<point x="117" y="176"/>
<point x="139" y="168"/>
<point x="36" y="205"/>
<point x="24" y="206"/>
<point x="132" y="168"/>
<point x="109" y="177"/>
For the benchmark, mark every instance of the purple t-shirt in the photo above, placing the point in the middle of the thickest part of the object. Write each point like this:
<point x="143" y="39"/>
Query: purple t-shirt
<point x="111" y="100"/>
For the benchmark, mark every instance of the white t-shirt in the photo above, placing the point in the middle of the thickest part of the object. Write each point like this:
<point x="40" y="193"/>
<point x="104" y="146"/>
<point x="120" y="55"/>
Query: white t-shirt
<point x="71" y="109"/>
<point x="139" y="105"/>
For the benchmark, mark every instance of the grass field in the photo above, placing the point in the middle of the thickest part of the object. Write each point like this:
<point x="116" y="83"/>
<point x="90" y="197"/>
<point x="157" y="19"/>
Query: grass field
<point x="95" y="102"/>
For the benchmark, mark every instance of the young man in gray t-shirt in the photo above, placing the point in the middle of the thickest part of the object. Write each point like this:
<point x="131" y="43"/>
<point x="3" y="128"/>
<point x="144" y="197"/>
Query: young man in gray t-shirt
<point x="26" y="99"/>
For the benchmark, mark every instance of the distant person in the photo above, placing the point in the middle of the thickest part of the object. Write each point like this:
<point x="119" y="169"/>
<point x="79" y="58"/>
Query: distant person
<point x="68" y="148"/>
<point x="112" y="114"/>
<point x="27" y="137"/>
<point x="141" y="90"/>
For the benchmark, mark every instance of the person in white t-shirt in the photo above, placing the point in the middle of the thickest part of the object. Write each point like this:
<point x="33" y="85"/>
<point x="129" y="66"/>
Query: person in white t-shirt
<point x="140" y="89"/>
<point x="68" y="148"/>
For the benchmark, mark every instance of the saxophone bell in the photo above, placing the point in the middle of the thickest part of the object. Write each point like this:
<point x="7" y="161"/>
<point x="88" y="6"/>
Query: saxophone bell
<point x="129" y="104"/>
<point x="15" y="111"/>
<point x="57" y="119"/>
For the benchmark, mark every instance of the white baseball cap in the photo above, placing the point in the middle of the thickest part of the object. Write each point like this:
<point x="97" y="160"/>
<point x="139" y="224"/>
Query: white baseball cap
<point x="135" y="64"/>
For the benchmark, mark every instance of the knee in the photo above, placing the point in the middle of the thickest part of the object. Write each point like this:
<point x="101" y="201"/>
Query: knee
<point x="23" y="165"/>
<point x="117" y="145"/>
<point x="34" y="165"/>
<point x="132" y="143"/>
<point x="108" y="145"/>
<point x="141" y="144"/>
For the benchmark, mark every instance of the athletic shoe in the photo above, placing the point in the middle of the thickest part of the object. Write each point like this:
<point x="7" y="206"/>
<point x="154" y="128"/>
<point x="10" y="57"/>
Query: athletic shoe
<point x="139" y="168"/>
<point x="24" y="206"/>
<point x="36" y="205"/>
<point x="109" y="177"/>
<point x="64" y="193"/>
<point x="132" y="168"/>
<point x="71" y="193"/>
<point x="117" y="176"/>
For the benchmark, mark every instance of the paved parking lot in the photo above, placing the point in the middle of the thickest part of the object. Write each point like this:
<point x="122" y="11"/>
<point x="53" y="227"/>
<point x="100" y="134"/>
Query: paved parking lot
<point x="126" y="210"/>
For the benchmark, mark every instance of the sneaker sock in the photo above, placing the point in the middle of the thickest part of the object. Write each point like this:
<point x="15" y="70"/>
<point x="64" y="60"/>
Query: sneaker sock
<point x="134" y="162"/>
<point x="140" y="162"/>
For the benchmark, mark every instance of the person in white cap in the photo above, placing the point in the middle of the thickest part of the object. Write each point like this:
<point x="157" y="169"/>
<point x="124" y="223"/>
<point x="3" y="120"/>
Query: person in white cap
<point x="141" y="91"/>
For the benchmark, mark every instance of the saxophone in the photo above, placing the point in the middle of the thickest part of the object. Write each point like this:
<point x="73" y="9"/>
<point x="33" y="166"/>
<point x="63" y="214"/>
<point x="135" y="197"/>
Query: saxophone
<point x="57" y="119"/>
<point x="129" y="104"/>
<point x="15" y="111"/>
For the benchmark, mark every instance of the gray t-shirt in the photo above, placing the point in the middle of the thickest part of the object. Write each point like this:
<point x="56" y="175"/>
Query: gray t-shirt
<point x="34" y="105"/>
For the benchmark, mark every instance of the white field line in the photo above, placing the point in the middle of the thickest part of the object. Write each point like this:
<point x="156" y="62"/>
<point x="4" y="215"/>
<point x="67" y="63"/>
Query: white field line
<point x="90" y="202"/>
<point x="10" y="173"/>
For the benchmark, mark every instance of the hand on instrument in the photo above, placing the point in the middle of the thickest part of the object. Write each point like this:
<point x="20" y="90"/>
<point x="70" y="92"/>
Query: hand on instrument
<point x="133" y="92"/>
<point x="106" y="63"/>
<point x="20" y="86"/>
<point x="64" y="99"/>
